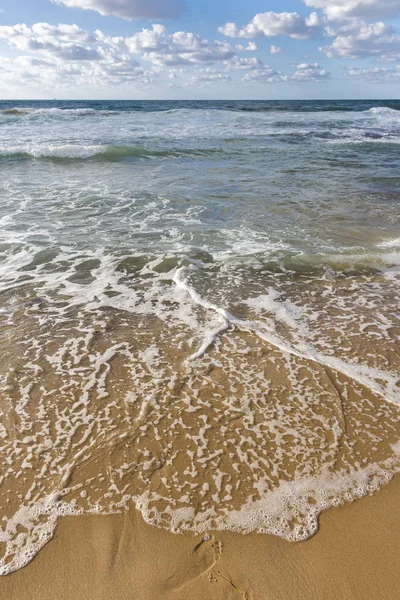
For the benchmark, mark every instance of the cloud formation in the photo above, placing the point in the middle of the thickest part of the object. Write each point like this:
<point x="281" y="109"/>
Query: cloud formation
<point x="243" y="64"/>
<point x="347" y="21"/>
<point x="270" y="24"/>
<point x="67" y="55"/>
<point x="361" y="40"/>
<point x="305" y="72"/>
<point x="180" y="48"/>
<point x="375" y="74"/>
<point x="251" y="47"/>
<point x="310" y="72"/>
<point x="50" y="73"/>
<point x="264" y="74"/>
<point x="337" y="10"/>
<point x="67" y="42"/>
<point x="131" y="9"/>
<point x="207" y="77"/>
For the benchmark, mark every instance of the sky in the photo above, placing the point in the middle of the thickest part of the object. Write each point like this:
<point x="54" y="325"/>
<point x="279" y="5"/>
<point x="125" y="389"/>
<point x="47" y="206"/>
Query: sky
<point x="199" y="49"/>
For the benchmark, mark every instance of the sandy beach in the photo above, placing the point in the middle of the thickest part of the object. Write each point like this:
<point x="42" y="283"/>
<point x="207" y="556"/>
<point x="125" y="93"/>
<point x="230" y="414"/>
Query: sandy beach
<point x="354" y="556"/>
<point x="199" y="311"/>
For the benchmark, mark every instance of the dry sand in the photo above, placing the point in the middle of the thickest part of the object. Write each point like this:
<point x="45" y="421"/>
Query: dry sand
<point x="354" y="556"/>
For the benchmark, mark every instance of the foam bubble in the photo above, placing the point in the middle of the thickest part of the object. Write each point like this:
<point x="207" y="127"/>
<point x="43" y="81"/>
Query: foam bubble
<point x="36" y="523"/>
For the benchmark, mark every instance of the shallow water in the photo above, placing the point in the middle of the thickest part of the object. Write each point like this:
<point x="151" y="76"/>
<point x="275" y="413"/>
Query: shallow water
<point x="199" y="305"/>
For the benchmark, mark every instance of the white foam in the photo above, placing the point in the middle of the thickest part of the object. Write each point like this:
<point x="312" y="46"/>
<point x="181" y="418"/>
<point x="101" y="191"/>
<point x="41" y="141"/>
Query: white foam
<point x="211" y="337"/>
<point x="37" y="522"/>
<point x="393" y="243"/>
<point x="288" y="512"/>
<point x="54" y="150"/>
<point x="283" y="310"/>
<point x="378" y="381"/>
<point x="384" y="110"/>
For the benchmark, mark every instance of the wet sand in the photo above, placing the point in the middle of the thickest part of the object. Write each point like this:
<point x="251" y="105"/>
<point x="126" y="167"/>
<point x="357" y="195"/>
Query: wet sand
<point x="354" y="556"/>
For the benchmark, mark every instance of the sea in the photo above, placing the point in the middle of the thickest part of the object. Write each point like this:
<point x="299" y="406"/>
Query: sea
<point x="199" y="313"/>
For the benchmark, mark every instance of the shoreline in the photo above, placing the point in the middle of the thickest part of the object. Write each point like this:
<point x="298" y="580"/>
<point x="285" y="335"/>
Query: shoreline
<point x="353" y="556"/>
<point x="200" y="321"/>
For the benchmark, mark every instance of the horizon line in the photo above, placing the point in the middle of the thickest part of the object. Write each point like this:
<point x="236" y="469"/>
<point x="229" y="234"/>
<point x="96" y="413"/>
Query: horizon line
<point x="199" y="99"/>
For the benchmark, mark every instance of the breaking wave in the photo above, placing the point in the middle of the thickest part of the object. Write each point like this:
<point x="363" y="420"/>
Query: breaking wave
<point x="56" y="112"/>
<point x="384" y="110"/>
<point x="106" y="152"/>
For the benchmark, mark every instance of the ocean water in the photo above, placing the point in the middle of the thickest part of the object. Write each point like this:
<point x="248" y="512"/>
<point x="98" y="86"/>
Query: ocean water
<point x="199" y="309"/>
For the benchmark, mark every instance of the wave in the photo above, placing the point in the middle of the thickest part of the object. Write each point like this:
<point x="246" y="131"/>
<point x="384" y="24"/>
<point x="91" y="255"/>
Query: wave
<point x="120" y="153"/>
<point x="394" y="243"/>
<point x="222" y="106"/>
<point x="384" y="110"/>
<point x="57" y="112"/>
<point x="346" y="136"/>
<point x="106" y="152"/>
<point x="52" y="151"/>
<point x="366" y="139"/>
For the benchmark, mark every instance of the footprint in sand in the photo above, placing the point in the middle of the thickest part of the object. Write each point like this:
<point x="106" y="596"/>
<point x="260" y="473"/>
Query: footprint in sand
<point x="201" y="561"/>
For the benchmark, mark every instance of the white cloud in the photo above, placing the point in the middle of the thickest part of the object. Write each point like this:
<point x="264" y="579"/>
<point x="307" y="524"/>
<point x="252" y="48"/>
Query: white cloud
<point x="275" y="49"/>
<point x="251" y="47"/>
<point x="207" y="77"/>
<point x="264" y="74"/>
<point x="65" y="56"/>
<point x="310" y="72"/>
<point x="360" y="40"/>
<point x="67" y="42"/>
<point x="23" y="70"/>
<point x="49" y="73"/>
<point x="375" y="74"/>
<point x="200" y="78"/>
<point x="238" y="64"/>
<point x="305" y="72"/>
<point x="365" y="9"/>
<point x="270" y="24"/>
<point x="314" y="20"/>
<point x="179" y="48"/>
<point x="131" y="9"/>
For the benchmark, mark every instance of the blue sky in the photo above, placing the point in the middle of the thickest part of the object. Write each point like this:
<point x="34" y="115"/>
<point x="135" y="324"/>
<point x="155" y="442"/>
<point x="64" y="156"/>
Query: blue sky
<point x="200" y="49"/>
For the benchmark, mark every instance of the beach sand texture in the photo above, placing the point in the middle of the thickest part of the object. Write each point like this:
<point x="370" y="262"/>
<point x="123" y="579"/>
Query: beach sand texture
<point x="354" y="556"/>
